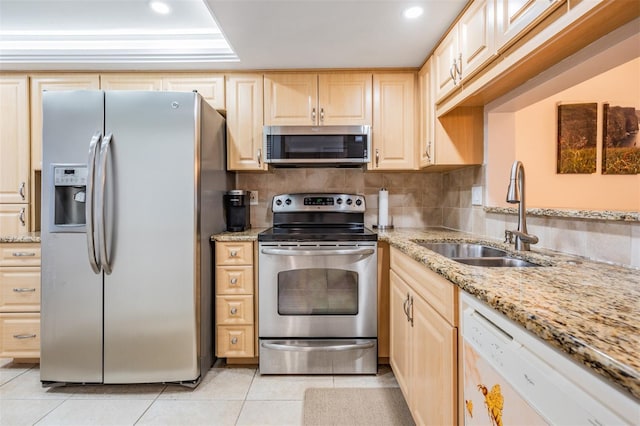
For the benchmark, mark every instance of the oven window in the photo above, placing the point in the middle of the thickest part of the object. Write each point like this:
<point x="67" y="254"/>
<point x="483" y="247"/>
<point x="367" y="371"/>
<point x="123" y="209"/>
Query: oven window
<point x="318" y="291"/>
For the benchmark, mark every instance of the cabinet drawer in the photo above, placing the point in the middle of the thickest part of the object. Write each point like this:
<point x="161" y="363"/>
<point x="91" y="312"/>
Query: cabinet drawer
<point x="234" y="253"/>
<point x="20" y="334"/>
<point x="232" y="310"/>
<point x="19" y="254"/>
<point x="19" y="289"/>
<point x="235" y="341"/>
<point x="437" y="291"/>
<point x="234" y="280"/>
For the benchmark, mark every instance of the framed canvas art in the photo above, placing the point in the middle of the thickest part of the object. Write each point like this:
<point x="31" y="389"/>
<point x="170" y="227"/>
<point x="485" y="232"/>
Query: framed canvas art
<point x="620" y="140"/>
<point x="577" y="137"/>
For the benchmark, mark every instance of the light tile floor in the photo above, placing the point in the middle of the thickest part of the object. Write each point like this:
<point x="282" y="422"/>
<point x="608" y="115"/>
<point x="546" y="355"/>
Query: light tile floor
<point x="226" y="396"/>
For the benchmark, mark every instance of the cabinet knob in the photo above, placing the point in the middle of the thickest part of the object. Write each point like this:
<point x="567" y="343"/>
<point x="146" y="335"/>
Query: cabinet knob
<point x="233" y="281"/>
<point x="234" y="311"/>
<point x="21" y="191"/>
<point x="377" y="157"/>
<point x="259" y="158"/>
<point x="321" y="115"/>
<point x="313" y="115"/>
<point x="234" y="340"/>
<point x="24" y="290"/>
<point x="22" y="219"/>
<point x="233" y="253"/>
<point x="24" y="336"/>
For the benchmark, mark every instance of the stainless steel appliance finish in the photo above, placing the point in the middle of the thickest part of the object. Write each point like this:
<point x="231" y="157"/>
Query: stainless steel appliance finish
<point x="126" y="291"/>
<point x="319" y="146"/>
<point x="318" y="287"/>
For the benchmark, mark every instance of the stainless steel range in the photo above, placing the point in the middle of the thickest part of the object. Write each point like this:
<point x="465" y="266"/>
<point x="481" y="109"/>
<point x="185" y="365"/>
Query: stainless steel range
<point x="318" y="287"/>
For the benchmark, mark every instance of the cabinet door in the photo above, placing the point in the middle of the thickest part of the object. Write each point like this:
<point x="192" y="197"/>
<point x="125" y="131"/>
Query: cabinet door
<point x="291" y="99"/>
<point x="130" y="82"/>
<point x="433" y="366"/>
<point x="400" y="343"/>
<point x="515" y="17"/>
<point x="19" y="289"/>
<point x="14" y="219"/>
<point x="20" y="335"/>
<point x="244" y="122"/>
<point x="444" y="57"/>
<point x="210" y="87"/>
<point x="394" y="110"/>
<point x="344" y="99"/>
<point x="58" y="82"/>
<point x="476" y="31"/>
<point x="427" y="115"/>
<point x="14" y="140"/>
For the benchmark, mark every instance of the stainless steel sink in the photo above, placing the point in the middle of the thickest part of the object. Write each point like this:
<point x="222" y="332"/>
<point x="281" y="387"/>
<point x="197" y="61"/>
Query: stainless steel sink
<point x="475" y="254"/>
<point x="462" y="250"/>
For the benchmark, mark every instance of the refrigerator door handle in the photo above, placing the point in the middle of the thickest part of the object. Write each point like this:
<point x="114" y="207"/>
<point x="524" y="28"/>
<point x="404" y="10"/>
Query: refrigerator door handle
<point x="89" y="207"/>
<point x="101" y="204"/>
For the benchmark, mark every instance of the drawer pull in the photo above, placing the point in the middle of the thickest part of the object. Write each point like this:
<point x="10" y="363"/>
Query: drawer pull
<point x="234" y="281"/>
<point x="234" y="340"/>
<point x="24" y="336"/>
<point x="233" y="253"/>
<point x="234" y="311"/>
<point x="24" y="290"/>
<point x="23" y="254"/>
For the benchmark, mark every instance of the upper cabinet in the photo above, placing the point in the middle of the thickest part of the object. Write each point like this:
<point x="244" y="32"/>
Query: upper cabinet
<point x="426" y="115"/>
<point x="513" y="17"/>
<point x="317" y="99"/>
<point x="394" y="112"/>
<point x="244" y="122"/>
<point x="211" y="87"/>
<point x="466" y="48"/>
<point x="14" y="140"/>
<point x="52" y="82"/>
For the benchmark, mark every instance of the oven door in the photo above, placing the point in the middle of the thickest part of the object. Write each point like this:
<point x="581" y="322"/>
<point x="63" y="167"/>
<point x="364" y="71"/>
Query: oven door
<point x="318" y="290"/>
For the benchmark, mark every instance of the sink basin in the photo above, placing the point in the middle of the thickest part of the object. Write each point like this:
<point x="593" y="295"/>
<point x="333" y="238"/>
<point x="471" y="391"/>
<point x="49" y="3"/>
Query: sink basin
<point x="475" y="254"/>
<point x="495" y="261"/>
<point x="463" y="250"/>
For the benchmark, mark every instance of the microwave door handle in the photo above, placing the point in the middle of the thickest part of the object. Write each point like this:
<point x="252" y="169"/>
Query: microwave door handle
<point x="316" y="348"/>
<point x="298" y="252"/>
<point x="89" y="202"/>
<point x="101" y="204"/>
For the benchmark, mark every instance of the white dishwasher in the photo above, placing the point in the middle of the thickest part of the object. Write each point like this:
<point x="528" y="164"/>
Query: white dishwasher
<point x="511" y="377"/>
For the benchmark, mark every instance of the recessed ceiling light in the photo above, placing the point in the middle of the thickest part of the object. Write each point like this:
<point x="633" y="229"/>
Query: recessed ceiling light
<point x="160" y="7"/>
<point x="413" y="12"/>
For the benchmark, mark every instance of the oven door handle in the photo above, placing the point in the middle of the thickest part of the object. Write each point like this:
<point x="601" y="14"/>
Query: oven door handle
<point x="327" y="348"/>
<point x="298" y="252"/>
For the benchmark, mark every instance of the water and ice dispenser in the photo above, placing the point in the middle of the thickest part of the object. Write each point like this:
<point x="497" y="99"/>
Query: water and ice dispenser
<point x="70" y="185"/>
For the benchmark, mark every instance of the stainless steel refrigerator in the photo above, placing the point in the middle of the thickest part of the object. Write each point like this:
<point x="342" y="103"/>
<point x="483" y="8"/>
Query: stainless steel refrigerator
<point x="132" y="186"/>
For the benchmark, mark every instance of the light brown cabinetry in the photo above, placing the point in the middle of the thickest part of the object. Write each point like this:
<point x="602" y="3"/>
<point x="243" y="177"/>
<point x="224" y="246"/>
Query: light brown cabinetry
<point x="14" y="219"/>
<point x="423" y="351"/>
<point x="426" y="116"/>
<point x="20" y="300"/>
<point x="235" y="328"/>
<point x="394" y="118"/>
<point x="515" y="17"/>
<point x="317" y="99"/>
<point x="466" y="48"/>
<point x="244" y="99"/>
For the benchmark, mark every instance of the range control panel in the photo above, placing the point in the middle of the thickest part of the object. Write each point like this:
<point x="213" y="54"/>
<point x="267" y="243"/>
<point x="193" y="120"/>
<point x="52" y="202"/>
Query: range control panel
<point x="350" y="203"/>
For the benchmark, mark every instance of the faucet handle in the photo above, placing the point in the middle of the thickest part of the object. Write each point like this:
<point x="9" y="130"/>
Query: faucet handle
<point x="508" y="236"/>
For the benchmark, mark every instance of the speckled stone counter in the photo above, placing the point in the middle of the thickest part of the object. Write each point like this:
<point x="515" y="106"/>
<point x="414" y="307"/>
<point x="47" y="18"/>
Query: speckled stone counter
<point x="587" y="309"/>
<point x="575" y="214"/>
<point x="31" y="237"/>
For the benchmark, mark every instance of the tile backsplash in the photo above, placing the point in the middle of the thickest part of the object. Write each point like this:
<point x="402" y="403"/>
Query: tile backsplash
<point x="419" y="199"/>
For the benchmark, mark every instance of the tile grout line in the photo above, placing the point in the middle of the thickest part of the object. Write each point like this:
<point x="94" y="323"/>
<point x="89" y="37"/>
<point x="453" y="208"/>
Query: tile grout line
<point x="149" y="406"/>
<point x="255" y="371"/>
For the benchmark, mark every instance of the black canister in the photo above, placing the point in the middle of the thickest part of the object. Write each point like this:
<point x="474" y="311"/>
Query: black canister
<point x="237" y="210"/>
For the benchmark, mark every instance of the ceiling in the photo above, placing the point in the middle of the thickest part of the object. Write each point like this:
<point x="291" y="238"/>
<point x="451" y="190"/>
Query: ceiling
<point x="262" y="34"/>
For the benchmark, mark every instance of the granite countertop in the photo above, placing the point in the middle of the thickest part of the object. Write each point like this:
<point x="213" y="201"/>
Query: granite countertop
<point x="589" y="310"/>
<point x="31" y="237"/>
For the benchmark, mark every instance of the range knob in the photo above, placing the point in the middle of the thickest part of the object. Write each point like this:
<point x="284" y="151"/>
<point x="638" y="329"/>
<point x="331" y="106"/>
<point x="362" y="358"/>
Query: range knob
<point x="339" y="201"/>
<point x="358" y="202"/>
<point x="288" y="201"/>
<point x="349" y="201"/>
<point x="278" y="202"/>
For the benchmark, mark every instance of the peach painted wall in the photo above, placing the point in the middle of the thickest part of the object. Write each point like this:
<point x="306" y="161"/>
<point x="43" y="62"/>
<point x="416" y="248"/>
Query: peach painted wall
<point x="529" y="135"/>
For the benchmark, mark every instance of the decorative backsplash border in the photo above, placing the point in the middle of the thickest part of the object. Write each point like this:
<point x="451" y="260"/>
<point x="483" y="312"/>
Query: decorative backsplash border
<point x="577" y="214"/>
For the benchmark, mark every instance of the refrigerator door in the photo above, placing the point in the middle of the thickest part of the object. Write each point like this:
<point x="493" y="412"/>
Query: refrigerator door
<point x="71" y="308"/>
<point x="150" y="318"/>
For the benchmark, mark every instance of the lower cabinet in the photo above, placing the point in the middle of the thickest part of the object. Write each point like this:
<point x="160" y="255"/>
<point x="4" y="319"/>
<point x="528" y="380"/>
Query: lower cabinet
<point x="20" y="301"/>
<point x="234" y="304"/>
<point x="424" y="335"/>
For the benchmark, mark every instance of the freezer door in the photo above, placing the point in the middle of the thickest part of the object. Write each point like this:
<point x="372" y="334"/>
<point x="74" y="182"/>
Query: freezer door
<point x="71" y="304"/>
<point x="150" y="327"/>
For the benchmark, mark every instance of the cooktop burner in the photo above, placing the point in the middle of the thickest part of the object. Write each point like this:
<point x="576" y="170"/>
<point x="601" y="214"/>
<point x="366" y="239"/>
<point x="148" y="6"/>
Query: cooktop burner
<point x="318" y="217"/>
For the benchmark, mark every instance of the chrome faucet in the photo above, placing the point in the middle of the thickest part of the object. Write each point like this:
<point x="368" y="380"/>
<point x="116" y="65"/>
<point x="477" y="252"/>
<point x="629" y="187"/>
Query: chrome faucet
<point x="515" y="194"/>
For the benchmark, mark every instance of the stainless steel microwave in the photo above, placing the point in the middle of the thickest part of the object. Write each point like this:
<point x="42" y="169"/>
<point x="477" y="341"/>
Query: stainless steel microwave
<point x="319" y="146"/>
